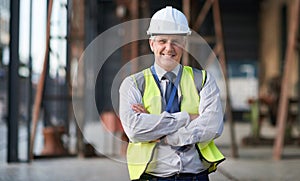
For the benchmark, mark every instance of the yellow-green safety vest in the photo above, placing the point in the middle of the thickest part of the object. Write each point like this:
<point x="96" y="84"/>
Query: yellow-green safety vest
<point x="140" y="154"/>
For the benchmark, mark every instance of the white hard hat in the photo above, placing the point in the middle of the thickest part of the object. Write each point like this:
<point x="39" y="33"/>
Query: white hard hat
<point x="169" y="21"/>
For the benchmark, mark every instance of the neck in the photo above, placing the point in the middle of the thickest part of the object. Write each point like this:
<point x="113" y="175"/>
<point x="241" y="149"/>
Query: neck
<point x="167" y="68"/>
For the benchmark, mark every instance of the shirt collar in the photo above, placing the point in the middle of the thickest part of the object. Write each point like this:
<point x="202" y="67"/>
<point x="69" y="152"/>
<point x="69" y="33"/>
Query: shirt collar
<point x="161" y="72"/>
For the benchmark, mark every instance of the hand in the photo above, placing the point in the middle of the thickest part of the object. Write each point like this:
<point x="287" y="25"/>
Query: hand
<point x="138" y="108"/>
<point x="193" y="116"/>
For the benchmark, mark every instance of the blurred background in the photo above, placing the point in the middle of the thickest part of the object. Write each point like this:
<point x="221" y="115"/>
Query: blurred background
<point x="41" y="43"/>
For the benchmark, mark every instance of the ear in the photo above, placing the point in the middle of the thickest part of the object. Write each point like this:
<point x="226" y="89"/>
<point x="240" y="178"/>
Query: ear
<point x="151" y="44"/>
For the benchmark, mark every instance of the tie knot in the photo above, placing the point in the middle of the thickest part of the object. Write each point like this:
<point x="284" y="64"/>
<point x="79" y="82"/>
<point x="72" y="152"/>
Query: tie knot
<point x="170" y="76"/>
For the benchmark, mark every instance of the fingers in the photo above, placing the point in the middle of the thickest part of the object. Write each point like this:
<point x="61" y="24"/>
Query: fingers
<point x="138" y="108"/>
<point x="157" y="141"/>
<point x="193" y="116"/>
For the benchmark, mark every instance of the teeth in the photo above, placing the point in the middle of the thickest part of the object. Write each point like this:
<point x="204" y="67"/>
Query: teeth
<point x="170" y="55"/>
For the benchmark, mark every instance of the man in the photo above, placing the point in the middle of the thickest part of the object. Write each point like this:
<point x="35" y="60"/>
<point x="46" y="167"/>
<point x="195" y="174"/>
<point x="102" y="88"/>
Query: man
<point x="171" y="130"/>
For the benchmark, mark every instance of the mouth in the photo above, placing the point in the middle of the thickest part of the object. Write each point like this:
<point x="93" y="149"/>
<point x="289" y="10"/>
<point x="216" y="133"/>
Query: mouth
<point x="168" y="55"/>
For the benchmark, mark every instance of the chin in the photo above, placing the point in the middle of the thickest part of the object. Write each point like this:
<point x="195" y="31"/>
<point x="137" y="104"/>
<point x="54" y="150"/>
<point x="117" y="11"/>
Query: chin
<point x="169" y="65"/>
<point x="169" y="59"/>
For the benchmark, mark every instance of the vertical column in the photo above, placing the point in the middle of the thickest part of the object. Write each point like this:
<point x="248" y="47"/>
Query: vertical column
<point x="77" y="36"/>
<point x="29" y="109"/>
<point x="270" y="44"/>
<point x="13" y="84"/>
<point x="134" y="8"/>
<point x="186" y="6"/>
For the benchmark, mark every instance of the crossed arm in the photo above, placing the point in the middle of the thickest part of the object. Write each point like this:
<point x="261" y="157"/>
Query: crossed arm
<point x="178" y="128"/>
<point x="139" y="108"/>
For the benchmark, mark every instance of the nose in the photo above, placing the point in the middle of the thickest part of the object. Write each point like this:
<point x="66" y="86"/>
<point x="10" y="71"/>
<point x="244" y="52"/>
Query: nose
<point x="169" y="46"/>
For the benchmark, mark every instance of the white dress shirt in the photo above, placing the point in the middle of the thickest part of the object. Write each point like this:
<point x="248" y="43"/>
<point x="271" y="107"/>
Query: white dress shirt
<point x="177" y="128"/>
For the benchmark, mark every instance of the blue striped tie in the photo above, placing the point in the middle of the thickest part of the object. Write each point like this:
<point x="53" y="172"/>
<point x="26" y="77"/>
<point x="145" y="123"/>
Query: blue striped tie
<point x="175" y="105"/>
<point x="169" y="87"/>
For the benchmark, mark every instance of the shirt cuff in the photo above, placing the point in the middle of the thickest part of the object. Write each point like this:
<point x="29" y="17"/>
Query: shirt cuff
<point x="183" y="118"/>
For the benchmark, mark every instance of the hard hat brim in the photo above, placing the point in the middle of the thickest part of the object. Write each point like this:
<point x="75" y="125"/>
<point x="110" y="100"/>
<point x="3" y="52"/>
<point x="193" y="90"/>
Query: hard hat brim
<point x="169" y="33"/>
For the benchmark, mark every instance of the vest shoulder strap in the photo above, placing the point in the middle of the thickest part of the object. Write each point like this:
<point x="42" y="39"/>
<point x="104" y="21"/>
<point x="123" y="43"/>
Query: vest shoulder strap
<point x="139" y="81"/>
<point x="200" y="77"/>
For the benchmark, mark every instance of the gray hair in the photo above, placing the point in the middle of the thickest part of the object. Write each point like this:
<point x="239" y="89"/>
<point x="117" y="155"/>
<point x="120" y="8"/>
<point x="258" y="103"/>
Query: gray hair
<point x="152" y="37"/>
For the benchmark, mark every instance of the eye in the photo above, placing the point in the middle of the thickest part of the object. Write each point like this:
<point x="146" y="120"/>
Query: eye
<point x="162" y="41"/>
<point x="176" y="42"/>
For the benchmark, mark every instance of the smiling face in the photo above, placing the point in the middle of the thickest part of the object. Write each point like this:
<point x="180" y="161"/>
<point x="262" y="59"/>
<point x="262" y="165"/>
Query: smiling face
<point x="168" y="50"/>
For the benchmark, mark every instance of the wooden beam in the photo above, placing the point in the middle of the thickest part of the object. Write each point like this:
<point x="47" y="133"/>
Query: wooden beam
<point x="187" y="11"/>
<point x="186" y="7"/>
<point x="134" y="8"/>
<point x="40" y="86"/>
<point x="222" y="59"/>
<point x="283" y="100"/>
<point x="202" y="14"/>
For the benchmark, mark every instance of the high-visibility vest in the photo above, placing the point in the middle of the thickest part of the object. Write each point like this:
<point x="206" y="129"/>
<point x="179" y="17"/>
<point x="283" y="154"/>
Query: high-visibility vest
<point x="139" y="155"/>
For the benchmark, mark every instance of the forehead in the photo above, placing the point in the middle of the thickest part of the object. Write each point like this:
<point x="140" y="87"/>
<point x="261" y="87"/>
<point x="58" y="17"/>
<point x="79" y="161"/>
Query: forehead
<point x="170" y="37"/>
